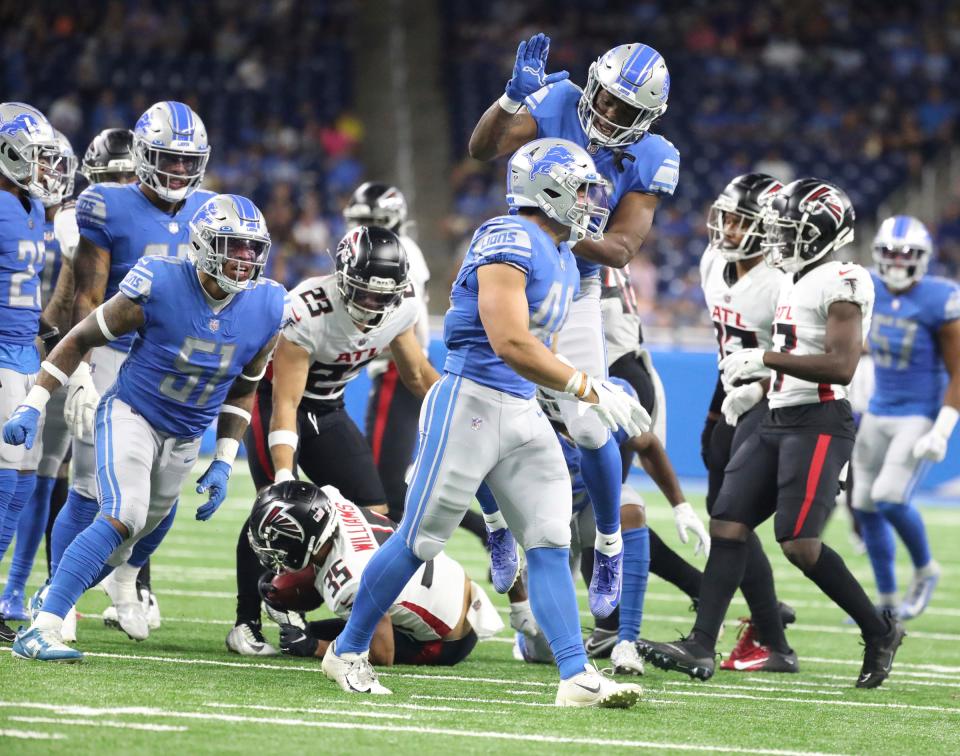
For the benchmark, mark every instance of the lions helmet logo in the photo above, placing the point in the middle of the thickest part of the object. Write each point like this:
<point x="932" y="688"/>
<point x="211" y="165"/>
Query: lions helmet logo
<point x="824" y="199"/>
<point x="23" y="122"/>
<point x="279" y="522"/>
<point x="556" y="155"/>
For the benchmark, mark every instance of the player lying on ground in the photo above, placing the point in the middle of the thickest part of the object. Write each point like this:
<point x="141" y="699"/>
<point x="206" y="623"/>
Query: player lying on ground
<point x="320" y="543"/>
<point x="790" y="468"/>
<point x="915" y="344"/>
<point x="481" y="420"/>
<point x="204" y="332"/>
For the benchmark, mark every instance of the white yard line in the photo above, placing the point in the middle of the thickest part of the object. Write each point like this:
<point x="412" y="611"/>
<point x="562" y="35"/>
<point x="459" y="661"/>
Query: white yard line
<point x="816" y="701"/>
<point x="113" y="724"/>
<point x="763" y="688"/>
<point x="31" y="735"/>
<point x="296" y="710"/>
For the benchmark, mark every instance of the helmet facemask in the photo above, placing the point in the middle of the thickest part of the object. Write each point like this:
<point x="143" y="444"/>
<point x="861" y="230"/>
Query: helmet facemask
<point x="235" y="261"/>
<point x="154" y="164"/>
<point x="368" y="302"/>
<point x="605" y="132"/>
<point x="900" y="266"/>
<point x="726" y="223"/>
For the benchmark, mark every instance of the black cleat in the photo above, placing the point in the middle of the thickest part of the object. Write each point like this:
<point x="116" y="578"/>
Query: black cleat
<point x="878" y="654"/>
<point x="600" y="643"/>
<point x="683" y="655"/>
<point x="9" y="635"/>
<point x="788" y="614"/>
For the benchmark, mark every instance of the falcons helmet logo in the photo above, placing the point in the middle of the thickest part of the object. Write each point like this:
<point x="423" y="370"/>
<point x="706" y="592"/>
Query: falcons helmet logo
<point x="824" y="199"/>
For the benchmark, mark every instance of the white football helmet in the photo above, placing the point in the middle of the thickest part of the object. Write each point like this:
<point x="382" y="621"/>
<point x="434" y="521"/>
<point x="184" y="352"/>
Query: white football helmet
<point x="229" y="229"/>
<point x="902" y="250"/>
<point x="559" y="177"/>
<point x="67" y="173"/>
<point x="29" y="156"/>
<point x="170" y="134"/>
<point x="635" y="74"/>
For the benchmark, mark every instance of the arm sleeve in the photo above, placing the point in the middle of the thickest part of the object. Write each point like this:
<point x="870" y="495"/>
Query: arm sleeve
<point x="92" y="216"/>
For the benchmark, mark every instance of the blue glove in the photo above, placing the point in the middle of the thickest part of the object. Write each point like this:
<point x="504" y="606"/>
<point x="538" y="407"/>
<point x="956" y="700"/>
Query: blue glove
<point x="215" y="480"/>
<point x="529" y="70"/>
<point x="21" y="428"/>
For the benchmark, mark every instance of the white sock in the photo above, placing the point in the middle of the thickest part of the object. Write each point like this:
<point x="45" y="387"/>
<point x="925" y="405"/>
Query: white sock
<point x="887" y="599"/>
<point x="125" y="574"/>
<point x="930" y="568"/>
<point x="609" y="544"/>
<point x="494" y="521"/>
<point x="47" y="621"/>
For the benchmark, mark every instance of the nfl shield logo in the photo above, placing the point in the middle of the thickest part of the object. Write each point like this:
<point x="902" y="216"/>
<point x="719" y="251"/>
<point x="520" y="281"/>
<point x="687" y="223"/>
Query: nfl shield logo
<point x="214" y="324"/>
<point x="476" y="422"/>
<point x="173" y="227"/>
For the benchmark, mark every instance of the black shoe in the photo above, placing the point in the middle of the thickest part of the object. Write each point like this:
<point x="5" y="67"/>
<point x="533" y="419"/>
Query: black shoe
<point x="788" y="614"/>
<point x="683" y="656"/>
<point x="878" y="654"/>
<point x="8" y="635"/>
<point x="600" y="643"/>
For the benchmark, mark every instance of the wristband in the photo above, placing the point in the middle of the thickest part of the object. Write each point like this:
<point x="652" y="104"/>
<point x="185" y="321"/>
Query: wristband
<point x="579" y="384"/>
<point x="282" y="475"/>
<point x="36" y="398"/>
<point x="511" y="106"/>
<point x="283" y="438"/>
<point x="946" y="420"/>
<point x="54" y="372"/>
<point x="232" y="409"/>
<point x="226" y="450"/>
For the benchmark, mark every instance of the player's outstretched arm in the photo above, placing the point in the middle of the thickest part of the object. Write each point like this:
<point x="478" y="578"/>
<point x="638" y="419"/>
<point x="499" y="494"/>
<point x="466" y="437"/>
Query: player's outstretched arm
<point x="59" y="310"/>
<point x="625" y="234"/>
<point x="415" y="370"/>
<point x="91" y="269"/>
<point x="291" y="364"/>
<point x="932" y="445"/>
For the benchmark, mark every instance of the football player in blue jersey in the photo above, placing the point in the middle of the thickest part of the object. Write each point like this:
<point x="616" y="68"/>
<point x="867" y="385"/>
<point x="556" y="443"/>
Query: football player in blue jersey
<point x="29" y="174"/>
<point x="627" y="89"/>
<point x="30" y="522"/>
<point x="915" y="343"/>
<point x="203" y="332"/>
<point x="481" y="421"/>
<point x="118" y="225"/>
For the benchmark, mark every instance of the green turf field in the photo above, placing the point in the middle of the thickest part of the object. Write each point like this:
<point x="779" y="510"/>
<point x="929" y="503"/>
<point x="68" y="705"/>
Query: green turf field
<point x="180" y="692"/>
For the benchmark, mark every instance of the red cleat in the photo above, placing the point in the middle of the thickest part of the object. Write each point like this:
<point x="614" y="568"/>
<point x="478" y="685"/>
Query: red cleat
<point x="761" y="659"/>
<point x="746" y="643"/>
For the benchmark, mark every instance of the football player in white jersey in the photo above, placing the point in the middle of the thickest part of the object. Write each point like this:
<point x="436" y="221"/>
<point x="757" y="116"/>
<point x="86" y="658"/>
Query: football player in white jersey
<point x="791" y="466"/>
<point x="337" y="325"/>
<point x="321" y="535"/>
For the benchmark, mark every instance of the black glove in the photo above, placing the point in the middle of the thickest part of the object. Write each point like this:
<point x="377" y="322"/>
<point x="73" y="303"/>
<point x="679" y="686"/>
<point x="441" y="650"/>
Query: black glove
<point x="295" y="641"/>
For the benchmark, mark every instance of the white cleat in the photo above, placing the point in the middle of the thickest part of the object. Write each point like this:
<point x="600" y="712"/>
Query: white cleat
<point x="68" y="630"/>
<point x="130" y="616"/>
<point x="590" y="688"/>
<point x="151" y="608"/>
<point x="625" y="659"/>
<point x="353" y="672"/>
<point x="522" y="620"/>
<point x="918" y="594"/>
<point x="247" y="639"/>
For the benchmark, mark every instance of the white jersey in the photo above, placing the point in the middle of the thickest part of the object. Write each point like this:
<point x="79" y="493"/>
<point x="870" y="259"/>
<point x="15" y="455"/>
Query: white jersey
<point x="742" y="312"/>
<point x="430" y="605"/>
<point x="801" y="325"/>
<point x="338" y="349"/>
<point x="419" y="276"/>
<point x="621" y="314"/>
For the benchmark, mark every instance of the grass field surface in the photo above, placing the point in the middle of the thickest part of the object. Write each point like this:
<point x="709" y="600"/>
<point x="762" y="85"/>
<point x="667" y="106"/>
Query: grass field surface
<point x="181" y="692"/>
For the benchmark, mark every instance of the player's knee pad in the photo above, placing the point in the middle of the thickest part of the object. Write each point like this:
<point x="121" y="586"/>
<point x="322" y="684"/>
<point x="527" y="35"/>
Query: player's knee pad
<point x="862" y="496"/>
<point x="587" y="431"/>
<point x="425" y="548"/>
<point x="889" y="489"/>
<point x="547" y="535"/>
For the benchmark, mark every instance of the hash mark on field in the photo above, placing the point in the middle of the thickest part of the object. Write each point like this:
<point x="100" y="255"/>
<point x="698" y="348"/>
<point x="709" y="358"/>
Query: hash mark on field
<point x="765" y="688"/>
<point x="468" y="699"/>
<point x="31" y="735"/>
<point x="100" y="723"/>
<point x="818" y="701"/>
<point x="299" y="710"/>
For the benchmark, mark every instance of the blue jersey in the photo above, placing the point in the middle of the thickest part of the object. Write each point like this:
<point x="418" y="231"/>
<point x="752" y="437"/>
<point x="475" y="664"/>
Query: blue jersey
<point x="121" y="220"/>
<point x="552" y="281"/>
<point x="52" y="262"/>
<point x="908" y="365"/>
<point x="653" y="169"/>
<point x="21" y="264"/>
<point x="185" y="355"/>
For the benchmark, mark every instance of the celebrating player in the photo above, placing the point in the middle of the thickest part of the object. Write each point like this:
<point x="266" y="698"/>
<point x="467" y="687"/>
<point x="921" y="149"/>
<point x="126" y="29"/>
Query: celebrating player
<point x="915" y="335"/>
<point x="481" y="420"/>
<point x="790" y="467"/>
<point x="337" y="325"/>
<point x="436" y="619"/>
<point x="627" y="89"/>
<point x="204" y="333"/>
<point x="29" y="174"/>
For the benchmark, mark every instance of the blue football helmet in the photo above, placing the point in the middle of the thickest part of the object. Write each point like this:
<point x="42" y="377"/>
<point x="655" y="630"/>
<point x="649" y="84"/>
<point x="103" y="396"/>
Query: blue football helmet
<point x="230" y="241"/>
<point x="170" y="135"/>
<point x="902" y="250"/>
<point x="29" y="155"/>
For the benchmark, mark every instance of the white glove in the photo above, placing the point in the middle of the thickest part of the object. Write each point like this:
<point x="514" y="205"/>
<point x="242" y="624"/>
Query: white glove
<point x="686" y="518"/>
<point x="283" y="475"/>
<point x="743" y="365"/>
<point x="739" y="399"/>
<point x="932" y="445"/>
<point x="80" y="406"/>
<point x="617" y="409"/>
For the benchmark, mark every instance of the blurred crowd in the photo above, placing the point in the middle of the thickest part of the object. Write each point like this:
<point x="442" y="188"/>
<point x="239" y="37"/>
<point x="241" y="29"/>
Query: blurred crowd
<point x="861" y="93"/>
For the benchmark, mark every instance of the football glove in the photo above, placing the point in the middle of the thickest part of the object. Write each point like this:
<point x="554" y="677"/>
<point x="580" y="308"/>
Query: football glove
<point x="743" y="365"/>
<point x="21" y="426"/>
<point x="932" y="445"/>
<point x="213" y="480"/>
<point x="529" y="70"/>
<point x="739" y="399"/>
<point x="80" y="406"/>
<point x="296" y="641"/>
<point x="617" y="409"/>
<point x="686" y="519"/>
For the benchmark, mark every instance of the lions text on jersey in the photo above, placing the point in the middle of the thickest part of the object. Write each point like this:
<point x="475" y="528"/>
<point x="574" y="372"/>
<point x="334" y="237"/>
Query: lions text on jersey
<point x="338" y="349"/>
<point x="903" y="339"/>
<point x="121" y="220"/>
<point x="800" y="325"/>
<point x="187" y="354"/>
<point x="22" y="257"/>
<point x="650" y="165"/>
<point x="552" y="281"/>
